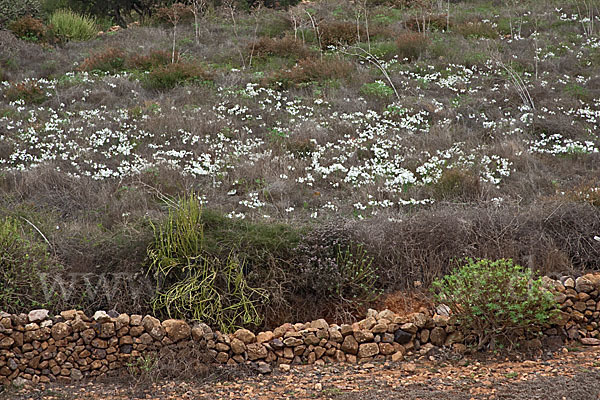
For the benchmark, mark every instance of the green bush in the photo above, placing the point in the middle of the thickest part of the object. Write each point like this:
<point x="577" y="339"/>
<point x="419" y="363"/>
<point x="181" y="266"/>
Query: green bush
<point x="22" y="260"/>
<point x="377" y="89"/>
<point x="495" y="300"/>
<point x="69" y="25"/>
<point x="171" y="75"/>
<point x="192" y="283"/>
<point x="11" y="10"/>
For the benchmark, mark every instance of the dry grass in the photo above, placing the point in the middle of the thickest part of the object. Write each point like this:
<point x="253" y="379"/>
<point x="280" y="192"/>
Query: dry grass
<point x="544" y="214"/>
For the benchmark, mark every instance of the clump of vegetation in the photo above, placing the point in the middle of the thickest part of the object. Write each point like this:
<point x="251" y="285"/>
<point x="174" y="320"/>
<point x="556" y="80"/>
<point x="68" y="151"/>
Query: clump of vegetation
<point x="336" y="33"/>
<point x="314" y="69"/>
<point x="171" y="75"/>
<point x="337" y="270"/>
<point x="192" y="283"/>
<point x="377" y="89"/>
<point x="28" y="28"/>
<point x="425" y="23"/>
<point x="457" y="184"/>
<point x="28" y="91"/>
<point x="286" y="46"/>
<point x="11" y="10"/>
<point x="107" y="60"/>
<point x="495" y="300"/>
<point x="411" y="45"/>
<point x="476" y="30"/>
<point x="154" y="59"/>
<point x="22" y="261"/>
<point x="68" y="25"/>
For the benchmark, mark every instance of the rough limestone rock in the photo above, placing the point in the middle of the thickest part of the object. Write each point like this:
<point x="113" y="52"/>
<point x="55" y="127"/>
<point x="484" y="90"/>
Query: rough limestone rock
<point x="437" y="336"/>
<point x="101" y="317"/>
<point x="60" y="331"/>
<point x="237" y="346"/>
<point x="590" y="341"/>
<point x="256" y="351"/>
<point x="153" y="327"/>
<point x="350" y="345"/>
<point x="245" y="336"/>
<point x="176" y="329"/>
<point x="37" y="315"/>
<point x="263" y="337"/>
<point x="368" y="350"/>
<point x="583" y="284"/>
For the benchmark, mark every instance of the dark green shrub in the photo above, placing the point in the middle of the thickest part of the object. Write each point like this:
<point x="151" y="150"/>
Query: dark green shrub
<point x="172" y="75"/>
<point x="377" y="89"/>
<point x="495" y="300"/>
<point x="28" y="28"/>
<point x="11" y="10"/>
<point x="108" y="60"/>
<point x="22" y="259"/>
<point x="192" y="283"/>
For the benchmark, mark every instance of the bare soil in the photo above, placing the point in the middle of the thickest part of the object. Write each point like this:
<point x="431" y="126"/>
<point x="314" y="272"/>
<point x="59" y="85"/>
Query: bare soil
<point x="570" y="374"/>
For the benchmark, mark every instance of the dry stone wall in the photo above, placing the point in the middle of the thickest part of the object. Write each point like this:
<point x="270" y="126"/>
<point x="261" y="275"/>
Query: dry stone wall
<point x="37" y="347"/>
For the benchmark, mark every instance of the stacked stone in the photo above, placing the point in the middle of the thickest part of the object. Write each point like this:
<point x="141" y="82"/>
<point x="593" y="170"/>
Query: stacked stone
<point x="579" y="300"/>
<point x="36" y="348"/>
<point x="68" y="347"/>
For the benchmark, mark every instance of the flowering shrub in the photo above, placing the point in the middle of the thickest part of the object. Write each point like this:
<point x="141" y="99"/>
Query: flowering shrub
<point x="336" y="269"/>
<point x="495" y="299"/>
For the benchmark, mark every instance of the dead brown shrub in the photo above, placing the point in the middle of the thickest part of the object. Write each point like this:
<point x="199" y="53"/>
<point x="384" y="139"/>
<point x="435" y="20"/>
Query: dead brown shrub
<point x="476" y="29"/>
<point x="411" y="45"/>
<point x="457" y="184"/>
<point x="156" y="58"/>
<point x="110" y="59"/>
<point x="550" y="237"/>
<point x="431" y="22"/>
<point x="335" y="33"/>
<point x="314" y="69"/>
<point x="286" y="46"/>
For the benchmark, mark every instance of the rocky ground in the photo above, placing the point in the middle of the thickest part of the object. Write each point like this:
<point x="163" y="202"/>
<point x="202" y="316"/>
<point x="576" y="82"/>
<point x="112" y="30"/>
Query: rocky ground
<point x="572" y="373"/>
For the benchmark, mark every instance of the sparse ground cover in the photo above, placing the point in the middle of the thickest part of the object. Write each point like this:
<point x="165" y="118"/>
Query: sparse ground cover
<point x="573" y="375"/>
<point x="319" y="141"/>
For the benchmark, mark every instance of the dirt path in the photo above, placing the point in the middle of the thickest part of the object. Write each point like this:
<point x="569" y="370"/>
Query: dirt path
<point x="572" y="375"/>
